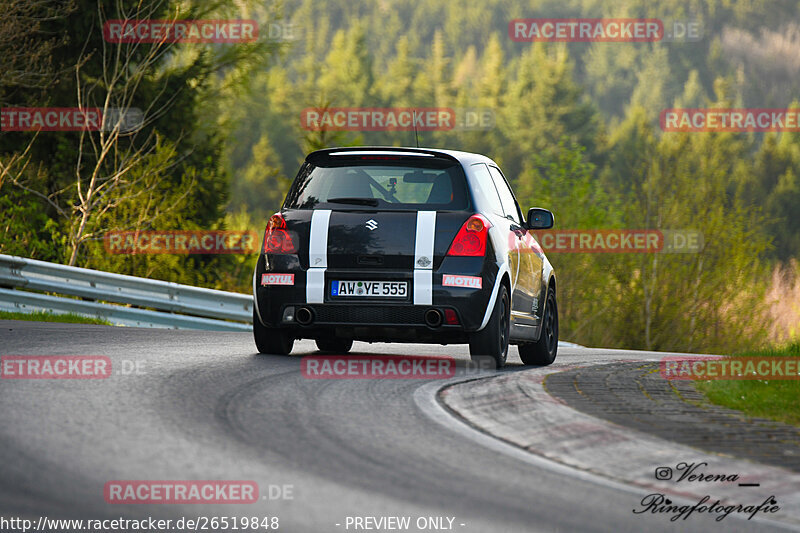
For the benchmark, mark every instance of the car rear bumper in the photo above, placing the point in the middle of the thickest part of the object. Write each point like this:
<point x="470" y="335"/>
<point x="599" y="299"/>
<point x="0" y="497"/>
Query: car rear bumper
<point x="377" y="319"/>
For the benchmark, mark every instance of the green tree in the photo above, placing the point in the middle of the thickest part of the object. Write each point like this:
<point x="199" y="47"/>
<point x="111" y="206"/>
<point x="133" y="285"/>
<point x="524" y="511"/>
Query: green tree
<point x="347" y="78"/>
<point x="542" y="106"/>
<point x="261" y="188"/>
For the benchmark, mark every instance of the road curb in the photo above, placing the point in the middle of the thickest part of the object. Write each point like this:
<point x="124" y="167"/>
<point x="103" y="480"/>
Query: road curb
<point x="530" y="421"/>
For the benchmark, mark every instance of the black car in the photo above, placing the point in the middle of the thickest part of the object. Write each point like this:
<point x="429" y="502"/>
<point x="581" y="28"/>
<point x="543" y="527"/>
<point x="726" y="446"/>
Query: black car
<point x="385" y="244"/>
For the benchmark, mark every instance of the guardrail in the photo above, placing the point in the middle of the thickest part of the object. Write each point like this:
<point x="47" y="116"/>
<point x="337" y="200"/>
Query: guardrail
<point x="157" y="304"/>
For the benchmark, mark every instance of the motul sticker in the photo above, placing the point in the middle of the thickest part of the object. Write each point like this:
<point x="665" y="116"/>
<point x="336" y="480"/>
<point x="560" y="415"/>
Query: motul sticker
<point x="277" y="279"/>
<point x="469" y="282"/>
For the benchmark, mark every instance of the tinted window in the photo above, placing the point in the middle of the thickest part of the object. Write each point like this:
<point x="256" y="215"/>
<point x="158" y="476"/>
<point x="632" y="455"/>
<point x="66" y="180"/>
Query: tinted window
<point x="487" y="188"/>
<point x="506" y="196"/>
<point x="387" y="186"/>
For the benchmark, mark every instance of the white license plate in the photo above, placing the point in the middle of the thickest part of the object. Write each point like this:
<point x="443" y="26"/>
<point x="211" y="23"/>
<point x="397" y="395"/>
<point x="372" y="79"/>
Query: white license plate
<point x="382" y="289"/>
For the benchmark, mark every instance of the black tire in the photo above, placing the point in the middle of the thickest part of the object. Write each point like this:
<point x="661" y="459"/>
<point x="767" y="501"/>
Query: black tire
<point x="492" y="341"/>
<point x="275" y="341"/>
<point x="544" y="351"/>
<point x="334" y="345"/>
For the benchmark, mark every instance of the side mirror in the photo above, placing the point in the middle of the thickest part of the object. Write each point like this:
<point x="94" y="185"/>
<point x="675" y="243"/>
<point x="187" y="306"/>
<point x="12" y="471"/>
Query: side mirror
<point x="539" y="218"/>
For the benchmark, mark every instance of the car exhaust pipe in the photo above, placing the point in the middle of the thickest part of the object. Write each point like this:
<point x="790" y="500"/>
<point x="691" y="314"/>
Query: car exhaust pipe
<point x="433" y="318"/>
<point x="304" y="316"/>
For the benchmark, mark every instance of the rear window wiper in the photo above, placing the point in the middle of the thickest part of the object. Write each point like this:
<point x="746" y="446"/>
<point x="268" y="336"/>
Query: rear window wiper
<point x="373" y="202"/>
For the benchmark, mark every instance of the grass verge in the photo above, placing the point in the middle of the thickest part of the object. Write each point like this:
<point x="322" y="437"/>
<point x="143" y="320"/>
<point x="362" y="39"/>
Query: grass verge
<point x="774" y="399"/>
<point x="45" y="316"/>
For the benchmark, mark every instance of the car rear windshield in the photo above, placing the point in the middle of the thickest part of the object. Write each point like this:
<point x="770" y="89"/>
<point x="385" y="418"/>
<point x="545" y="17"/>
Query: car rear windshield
<point x="430" y="185"/>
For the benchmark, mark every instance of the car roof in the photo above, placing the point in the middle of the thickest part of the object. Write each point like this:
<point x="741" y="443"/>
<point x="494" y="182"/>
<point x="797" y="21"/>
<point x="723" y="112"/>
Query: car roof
<point x="465" y="158"/>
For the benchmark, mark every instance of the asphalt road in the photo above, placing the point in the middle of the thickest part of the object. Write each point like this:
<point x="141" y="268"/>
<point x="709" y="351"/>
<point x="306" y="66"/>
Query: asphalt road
<point x="204" y="406"/>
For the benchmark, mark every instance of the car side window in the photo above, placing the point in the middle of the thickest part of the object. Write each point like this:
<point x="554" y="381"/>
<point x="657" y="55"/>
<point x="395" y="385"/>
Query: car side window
<point x="487" y="189"/>
<point x="510" y="208"/>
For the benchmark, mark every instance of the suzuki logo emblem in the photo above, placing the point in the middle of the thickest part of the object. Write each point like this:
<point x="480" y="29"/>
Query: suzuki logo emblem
<point x="371" y="225"/>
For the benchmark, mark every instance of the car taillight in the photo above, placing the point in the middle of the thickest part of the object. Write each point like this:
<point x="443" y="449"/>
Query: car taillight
<point x="276" y="239"/>
<point x="450" y="317"/>
<point x="471" y="238"/>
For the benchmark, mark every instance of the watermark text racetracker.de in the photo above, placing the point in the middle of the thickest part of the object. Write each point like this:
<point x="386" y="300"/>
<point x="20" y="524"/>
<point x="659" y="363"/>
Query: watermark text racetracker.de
<point x="180" y="492"/>
<point x="705" y="368"/>
<point x="730" y="119"/>
<point x="377" y="367"/>
<point x="70" y="119"/>
<point x="603" y="30"/>
<point x="181" y="242"/>
<point x="366" y="119"/>
<point x="180" y="31"/>
<point x="192" y="492"/>
<point x="66" y="367"/>
<point x="617" y="241"/>
<point x="151" y="524"/>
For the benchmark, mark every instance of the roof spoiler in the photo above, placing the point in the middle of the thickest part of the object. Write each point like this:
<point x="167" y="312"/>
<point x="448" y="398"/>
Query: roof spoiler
<point x="328" y="154"/>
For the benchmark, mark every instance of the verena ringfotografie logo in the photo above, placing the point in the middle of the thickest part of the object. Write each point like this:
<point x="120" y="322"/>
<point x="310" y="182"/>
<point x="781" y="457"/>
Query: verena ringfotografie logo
<point x="180" y="31"/>
<point x="181" y="242"/>
<point x="695" y="472"/>
<point x="180" y="492"/>
<point x="69" y="119"/>
<point x="619" y="241"/>
<point x="377" y="367"/>
<point x="729" y="368"/>
<point x="55" y="367"/>
<point x="730" y="120"/>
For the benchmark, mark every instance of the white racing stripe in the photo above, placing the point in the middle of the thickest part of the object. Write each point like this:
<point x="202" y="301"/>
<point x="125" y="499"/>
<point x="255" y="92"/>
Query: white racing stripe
<point x="317" y="256"/>
<point x="423" y="257"/>
<point x="423" y="287"/>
